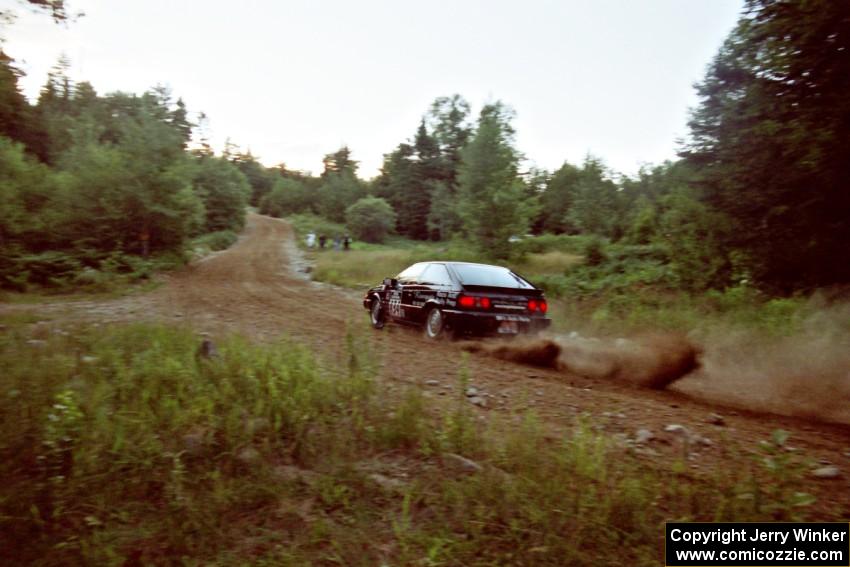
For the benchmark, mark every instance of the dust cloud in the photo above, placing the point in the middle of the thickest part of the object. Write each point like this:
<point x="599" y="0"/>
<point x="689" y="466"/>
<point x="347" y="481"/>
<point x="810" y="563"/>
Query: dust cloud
<point x="651" y="361"/>
<point x="535" y="352"/>
<point x="806" y="374"/>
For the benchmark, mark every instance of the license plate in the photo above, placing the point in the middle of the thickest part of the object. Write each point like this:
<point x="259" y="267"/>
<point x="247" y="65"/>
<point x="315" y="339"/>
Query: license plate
<point x="508" y="327"/>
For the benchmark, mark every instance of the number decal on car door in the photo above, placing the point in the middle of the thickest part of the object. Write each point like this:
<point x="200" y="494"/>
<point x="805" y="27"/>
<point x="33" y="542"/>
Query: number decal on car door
<point x="395" y="306"/>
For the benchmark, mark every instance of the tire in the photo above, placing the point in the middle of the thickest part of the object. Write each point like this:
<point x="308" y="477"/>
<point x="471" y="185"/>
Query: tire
<point x="376" y="314"/>
<point x="435" y="324"/>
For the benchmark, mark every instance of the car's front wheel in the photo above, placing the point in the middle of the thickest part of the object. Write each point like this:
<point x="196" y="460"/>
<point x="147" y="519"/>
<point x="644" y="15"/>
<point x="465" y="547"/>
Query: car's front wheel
<point x="435" y="324"/>
<point x="376" y="314"/>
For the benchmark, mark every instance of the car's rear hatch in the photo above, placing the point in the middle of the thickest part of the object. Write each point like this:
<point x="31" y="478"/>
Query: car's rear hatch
<point x="504" y="299"/>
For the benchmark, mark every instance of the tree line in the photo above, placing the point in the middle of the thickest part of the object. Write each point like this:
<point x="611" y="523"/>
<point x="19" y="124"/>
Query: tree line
<point x="93" y="182"/>
<point x="759" y="193"/>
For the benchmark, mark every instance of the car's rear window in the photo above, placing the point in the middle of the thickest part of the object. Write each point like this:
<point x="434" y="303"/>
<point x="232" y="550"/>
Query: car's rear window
<point x="471" y="274"/>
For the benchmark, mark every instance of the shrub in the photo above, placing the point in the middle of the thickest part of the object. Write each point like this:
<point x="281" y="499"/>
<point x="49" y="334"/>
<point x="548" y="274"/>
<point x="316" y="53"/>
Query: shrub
<point x="370" y="219"/>
<point x="50" y="269"/>
<point x="572" y="243"/>
<point x="594" y="254"/>
<point x="218" y="240"/>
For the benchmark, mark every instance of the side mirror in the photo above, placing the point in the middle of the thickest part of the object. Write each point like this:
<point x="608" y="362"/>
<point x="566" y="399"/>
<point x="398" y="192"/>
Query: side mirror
<point x="391" y="283"/>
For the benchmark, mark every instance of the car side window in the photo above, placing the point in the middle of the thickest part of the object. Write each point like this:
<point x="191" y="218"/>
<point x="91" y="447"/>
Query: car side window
<point x="411" y="274"/>
<point x="435" y="274"/>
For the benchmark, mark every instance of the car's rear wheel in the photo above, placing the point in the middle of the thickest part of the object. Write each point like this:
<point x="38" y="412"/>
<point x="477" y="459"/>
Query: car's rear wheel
<point x="376" y="314"/>
<point x="435" y="324"/>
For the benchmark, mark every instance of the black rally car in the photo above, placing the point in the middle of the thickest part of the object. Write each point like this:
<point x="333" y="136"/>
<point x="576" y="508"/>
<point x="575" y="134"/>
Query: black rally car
<point x="459" y="298"/>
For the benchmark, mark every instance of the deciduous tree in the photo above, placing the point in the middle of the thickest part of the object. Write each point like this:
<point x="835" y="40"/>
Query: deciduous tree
<point x="771" y="140"/>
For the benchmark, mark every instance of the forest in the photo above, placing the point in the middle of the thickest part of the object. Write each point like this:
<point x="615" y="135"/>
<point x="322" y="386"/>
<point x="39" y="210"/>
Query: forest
<point x="97" y="186"/>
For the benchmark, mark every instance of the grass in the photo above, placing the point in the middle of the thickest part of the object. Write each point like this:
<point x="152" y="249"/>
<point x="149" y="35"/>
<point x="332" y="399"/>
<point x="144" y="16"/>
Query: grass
<point x="113" y="290"/>
<point x="359" y="269"/>
<point x="641" y="310"/>
<point x="367" y="264"/>
<point x="122" y="445"/>
<point x="541" y="264"/>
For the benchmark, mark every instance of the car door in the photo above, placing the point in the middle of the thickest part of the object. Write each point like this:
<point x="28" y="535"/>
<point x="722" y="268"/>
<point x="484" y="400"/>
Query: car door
<point x="414" y="294"/>
<point x="432" y="287"/>
<point x="399" y="305"/>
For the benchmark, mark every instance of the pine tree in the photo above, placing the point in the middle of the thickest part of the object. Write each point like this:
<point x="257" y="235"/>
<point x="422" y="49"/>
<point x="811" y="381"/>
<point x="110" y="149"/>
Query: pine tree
<point x="339" y="162"/>
<point x="17" y="121"/>
<point x="596" y="207"/>
<point x="490" y="192"/>
<point x="180" y="120"/>
<point x="557" y="199"/>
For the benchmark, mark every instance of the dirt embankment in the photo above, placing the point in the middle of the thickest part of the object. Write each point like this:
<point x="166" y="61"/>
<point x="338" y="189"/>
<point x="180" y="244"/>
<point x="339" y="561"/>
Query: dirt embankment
<point x="252" y="288"/>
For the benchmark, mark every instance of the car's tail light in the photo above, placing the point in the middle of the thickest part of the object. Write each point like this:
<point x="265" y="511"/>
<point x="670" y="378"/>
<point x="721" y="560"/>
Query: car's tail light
<point x="537" y="305"/>
<point x="532" y="305"/>
<point x="470" y="301"/>
<point x="543" y="306"/>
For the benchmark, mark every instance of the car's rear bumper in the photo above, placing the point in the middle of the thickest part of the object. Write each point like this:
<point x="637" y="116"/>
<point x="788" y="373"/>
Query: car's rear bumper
<point x="492" y="323"/>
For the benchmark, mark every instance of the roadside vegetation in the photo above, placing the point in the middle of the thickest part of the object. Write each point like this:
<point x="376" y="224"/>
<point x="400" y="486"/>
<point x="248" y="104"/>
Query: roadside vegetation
<point x="125" y="444"/>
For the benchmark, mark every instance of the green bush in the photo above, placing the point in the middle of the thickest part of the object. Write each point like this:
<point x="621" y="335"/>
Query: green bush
<point x="219" y="240"/>
<point x="370" y="219"/>
<point x="12" y="275"/>
<point x="747" y="306"/>
<point x="50" y="269"/>
<point x="611" y="269"/>
<point x="573" y="243"/>
<point x="594" y="253"/>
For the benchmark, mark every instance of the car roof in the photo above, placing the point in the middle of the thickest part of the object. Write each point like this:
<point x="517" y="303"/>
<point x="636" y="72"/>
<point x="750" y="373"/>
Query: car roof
<point x="454" y="263"/>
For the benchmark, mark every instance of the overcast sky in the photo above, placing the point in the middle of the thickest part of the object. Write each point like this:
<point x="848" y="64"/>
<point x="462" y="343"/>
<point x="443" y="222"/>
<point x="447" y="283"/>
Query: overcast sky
<point x="293" y="81"/>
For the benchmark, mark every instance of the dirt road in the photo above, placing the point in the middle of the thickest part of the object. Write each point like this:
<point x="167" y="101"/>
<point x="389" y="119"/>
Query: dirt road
<point x="253" y="288"/>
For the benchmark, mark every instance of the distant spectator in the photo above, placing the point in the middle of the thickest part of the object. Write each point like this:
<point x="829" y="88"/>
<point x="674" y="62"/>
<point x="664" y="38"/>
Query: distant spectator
<point x="322" y="240"/>
<point x="311" y="239"/>
<point x="346" y="242"/>
<point x="337" y="242"/>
